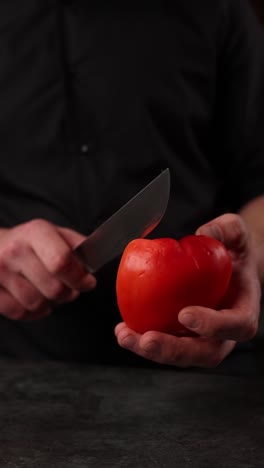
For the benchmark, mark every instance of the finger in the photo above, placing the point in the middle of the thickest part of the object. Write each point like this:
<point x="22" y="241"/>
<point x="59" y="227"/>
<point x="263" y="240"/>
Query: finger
<point x="9" y="306"/>
<point x="237" y="322"/>
<point x="119" y="327"/>
<point x="24" y="292"/>
<point x="231" y="230"/>
<point x="13" y="310"/>
<point x="170" y="350"/>
<point x="226" y="324"/>
<point x="37" y="275"/>
<point x="58" y="258"/>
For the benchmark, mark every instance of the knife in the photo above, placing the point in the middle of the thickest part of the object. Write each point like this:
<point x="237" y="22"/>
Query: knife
<point x="136" y="219"/>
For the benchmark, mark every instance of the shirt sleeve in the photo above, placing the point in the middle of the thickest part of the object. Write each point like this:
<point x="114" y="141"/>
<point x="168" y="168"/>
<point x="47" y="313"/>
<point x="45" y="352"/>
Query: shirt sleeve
<point x="240" y="105"/>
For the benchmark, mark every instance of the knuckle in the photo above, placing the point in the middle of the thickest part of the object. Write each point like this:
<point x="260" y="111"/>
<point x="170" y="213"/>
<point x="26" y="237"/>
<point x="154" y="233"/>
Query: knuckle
<point x="14" y="312"/>
<point x="33" y="305"/>
<point x="235" y="221"/>
<point x="12" y="250"/>
<point x="33" y="225"/>
<point x="235" y="226"/>
<point x="150" y="346"/>
<point x="179" y="359"/>
<point x="61" y="264"/>
<point x="250" y="331"/>
<point x="149" y="352"/>
<point x="10" y="307"/>
<point x="240" y="233"/>
<point x="56" y="291"/>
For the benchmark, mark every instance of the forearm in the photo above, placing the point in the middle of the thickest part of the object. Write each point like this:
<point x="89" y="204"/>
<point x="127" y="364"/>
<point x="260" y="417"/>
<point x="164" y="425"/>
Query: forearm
<point x="253" y="215"/>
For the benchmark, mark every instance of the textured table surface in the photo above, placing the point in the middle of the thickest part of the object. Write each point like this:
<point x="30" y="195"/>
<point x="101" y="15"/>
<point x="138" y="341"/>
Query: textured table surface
<point x="87" y="416"/>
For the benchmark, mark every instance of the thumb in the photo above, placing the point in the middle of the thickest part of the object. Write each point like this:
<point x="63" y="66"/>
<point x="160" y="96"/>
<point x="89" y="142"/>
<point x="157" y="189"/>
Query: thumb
<point x="229" y="229"/>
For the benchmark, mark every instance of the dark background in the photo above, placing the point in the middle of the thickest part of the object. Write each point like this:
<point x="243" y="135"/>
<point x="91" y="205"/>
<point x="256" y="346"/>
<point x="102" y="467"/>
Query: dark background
<point x="259" y="7"/>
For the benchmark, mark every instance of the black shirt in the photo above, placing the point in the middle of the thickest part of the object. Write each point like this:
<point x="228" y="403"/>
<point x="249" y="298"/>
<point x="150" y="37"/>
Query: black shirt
<point x="96" y="99"/>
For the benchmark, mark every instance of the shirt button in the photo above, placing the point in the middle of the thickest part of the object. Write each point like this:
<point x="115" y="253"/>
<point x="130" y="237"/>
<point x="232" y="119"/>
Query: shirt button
<point x="84" y="148"/>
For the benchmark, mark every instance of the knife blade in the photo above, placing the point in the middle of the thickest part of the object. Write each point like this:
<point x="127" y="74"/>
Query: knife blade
<point x="136" y="219"/>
